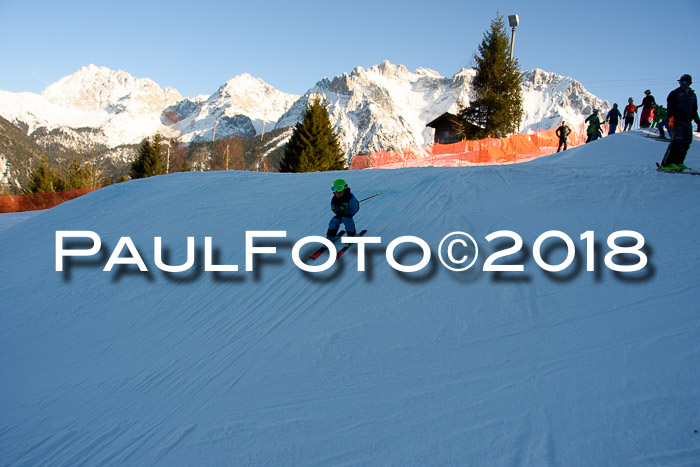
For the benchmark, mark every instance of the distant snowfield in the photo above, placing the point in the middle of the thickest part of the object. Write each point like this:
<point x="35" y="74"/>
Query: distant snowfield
<point x="280" y="366"/>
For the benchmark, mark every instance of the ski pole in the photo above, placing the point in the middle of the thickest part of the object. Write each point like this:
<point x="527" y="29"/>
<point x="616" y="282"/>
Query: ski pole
<point x="369" y="197"/>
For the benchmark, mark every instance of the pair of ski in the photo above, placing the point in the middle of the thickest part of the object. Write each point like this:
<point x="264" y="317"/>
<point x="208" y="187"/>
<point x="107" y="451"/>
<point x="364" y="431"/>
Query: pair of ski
<point x="340" y="252"/>
<point x="657" y="138"/>
<point x="687" y="172"/>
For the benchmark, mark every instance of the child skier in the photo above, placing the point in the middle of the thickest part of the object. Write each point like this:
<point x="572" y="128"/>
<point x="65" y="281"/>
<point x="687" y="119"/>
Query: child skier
<point x="344" y="205"/>
<point x="594" y="126"/>
<point x="661" y="120"/>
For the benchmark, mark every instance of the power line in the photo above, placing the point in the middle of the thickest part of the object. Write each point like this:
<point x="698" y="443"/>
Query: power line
<point x="630" y="81"/>
<point x="629" y="84"/>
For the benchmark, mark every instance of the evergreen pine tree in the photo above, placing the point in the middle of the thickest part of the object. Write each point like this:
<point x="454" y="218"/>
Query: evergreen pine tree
<point x="498" y="105"/>
<point x="90" y="176"/>
<point x="75" y="176"/>
<point x="43" y="179"/>
<point x="149" y="161"/>
<point x="81" y="176"/>
<point x="313" y="145"/>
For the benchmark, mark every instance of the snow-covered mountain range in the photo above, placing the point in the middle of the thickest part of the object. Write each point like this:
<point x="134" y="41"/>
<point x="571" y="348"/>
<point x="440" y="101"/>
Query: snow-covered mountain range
<point x="382" y="107"/>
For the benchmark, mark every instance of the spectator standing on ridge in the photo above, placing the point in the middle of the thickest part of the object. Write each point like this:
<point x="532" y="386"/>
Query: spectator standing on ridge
<point x="613" y="118"/>
<point x="563" y="133"/>
<point x="594" y="126"/>
<point x="682" y="107"/>
<point x="648" y="104"/>
<point x="628" y="114"/>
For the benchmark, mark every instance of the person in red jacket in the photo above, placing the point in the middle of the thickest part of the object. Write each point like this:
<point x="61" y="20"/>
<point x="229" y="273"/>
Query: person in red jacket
<point x="648" y="104"/>
<point x="628" y="114"/>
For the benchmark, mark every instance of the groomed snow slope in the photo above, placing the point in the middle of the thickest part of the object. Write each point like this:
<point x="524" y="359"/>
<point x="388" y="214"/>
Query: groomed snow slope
<point x="279" y="366"/>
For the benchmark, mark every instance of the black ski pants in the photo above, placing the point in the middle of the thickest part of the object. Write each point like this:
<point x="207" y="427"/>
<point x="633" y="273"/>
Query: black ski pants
<point x="681" y="137"/>
<point x="562" y="141"/>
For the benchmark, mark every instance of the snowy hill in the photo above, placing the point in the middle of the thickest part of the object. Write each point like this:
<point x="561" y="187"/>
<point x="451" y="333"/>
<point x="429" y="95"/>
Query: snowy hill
<point x="281" y="366"/>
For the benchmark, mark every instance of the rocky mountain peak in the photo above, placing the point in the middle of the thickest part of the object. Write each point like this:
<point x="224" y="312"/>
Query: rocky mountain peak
<point x="247" y="95"/>
<point x="99" y="88"/>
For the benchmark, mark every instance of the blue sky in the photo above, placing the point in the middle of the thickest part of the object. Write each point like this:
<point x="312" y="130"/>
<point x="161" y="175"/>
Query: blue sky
<point x="616" y="49"/>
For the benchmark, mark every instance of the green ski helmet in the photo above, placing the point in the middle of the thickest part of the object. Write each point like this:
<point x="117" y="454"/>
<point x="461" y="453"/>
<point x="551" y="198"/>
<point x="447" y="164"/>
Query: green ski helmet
<point x="630" y="100"/>
<point x="339" y="185"/>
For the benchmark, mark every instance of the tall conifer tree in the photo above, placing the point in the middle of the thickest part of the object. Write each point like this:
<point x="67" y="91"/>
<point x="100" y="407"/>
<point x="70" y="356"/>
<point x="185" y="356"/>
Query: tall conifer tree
<point x="313" y="145"/>
<point x="81" y="176"/>
<point x="149" y="161"/>
<point x="498" y="105"/>
<point x="44" y="179"/>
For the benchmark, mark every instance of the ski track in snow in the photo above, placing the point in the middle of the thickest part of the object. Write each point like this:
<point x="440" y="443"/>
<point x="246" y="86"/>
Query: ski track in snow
<point x="279" y="366"/>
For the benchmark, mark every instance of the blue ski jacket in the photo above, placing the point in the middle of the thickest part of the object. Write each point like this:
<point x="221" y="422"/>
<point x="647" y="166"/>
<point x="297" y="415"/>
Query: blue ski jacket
<point x="345" y="206"/>
<point x="614" y="116"/>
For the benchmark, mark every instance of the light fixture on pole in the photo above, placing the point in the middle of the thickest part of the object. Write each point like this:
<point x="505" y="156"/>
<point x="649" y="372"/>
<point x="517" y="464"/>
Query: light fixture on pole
<point x="514" y="21"/>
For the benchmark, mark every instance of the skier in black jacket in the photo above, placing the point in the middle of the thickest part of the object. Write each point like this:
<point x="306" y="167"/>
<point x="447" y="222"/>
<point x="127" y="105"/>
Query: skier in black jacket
<point x="613" y="118"/>
<point x="682" y="107"/>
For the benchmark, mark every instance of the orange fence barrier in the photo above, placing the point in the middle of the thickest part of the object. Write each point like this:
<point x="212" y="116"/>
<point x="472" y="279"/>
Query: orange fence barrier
<point x="37" y="201"/>
<point x="509" y="150"/>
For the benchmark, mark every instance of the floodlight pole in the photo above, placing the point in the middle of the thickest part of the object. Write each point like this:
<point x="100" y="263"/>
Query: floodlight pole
<point x="514" y="20"/>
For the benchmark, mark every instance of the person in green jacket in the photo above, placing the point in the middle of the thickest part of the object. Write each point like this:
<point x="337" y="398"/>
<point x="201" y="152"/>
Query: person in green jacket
<point x="594" y="126"/>
<point x="661" y="120"/>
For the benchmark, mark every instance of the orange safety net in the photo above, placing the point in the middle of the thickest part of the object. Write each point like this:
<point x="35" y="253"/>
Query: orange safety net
<point x="509" y="150"/>
<point x="38" y="201"/>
